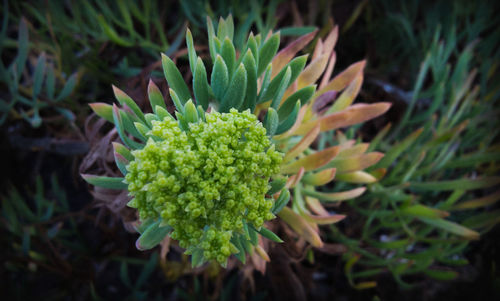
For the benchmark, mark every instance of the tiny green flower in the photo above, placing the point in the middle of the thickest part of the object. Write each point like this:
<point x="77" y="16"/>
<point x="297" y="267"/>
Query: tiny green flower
<point x="207" y="181"/>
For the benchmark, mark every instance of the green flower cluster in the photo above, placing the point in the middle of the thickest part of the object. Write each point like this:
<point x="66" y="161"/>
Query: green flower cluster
<point x="205" y="182"/>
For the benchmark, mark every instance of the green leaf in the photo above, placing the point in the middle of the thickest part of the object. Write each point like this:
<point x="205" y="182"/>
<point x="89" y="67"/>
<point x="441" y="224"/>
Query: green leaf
<point x="197" y="258"/>
<point x="252" y="45"/>
<point x="50" y="82"/>
<point x="462" y="184"/>
<point x="282" y="201"/>
<point x="122" y="150"/>
<point x="39" y="75"/>
<point x="105" y="182"/>
<point x="177" y="102"/>
<point x="121" y="162"/>
<point x="211" y="35"/>
<point x="251" y="92"/>
<point x="103" y="110"/>
<point x="269" y="235"/>
<point x="285" y="81"/>
<point x="276" y="185"/>
<point x="142" y="129"/>
<point x="162" y="113"/>
<point x="267" y="52"/>
<point x="153" y="235"/>
<point x="190" y="112"/>
<point x="289" y="121"/>
<point x="191" y="51"/>
<point x="124" y="99"/>
<point x="288" y="105"/>
<point x="297" y="31"/>
<point x="200" y="85"/>
<point x="111" y="33"/>
<point x="265" y="83"/>
<point x="254" y="238"/>
<point x="221" y="29"/>
<point x="228" y="53"/>
<point x="175" y="79"/>
<point x="220" y="78"/>
<point x="68" y="87"/>
<point x="271" y="122"/>
<point x="155" y="97"/>
<point x="235" y="94"/>
<point x="296" y="66"/>
<point x="451" y="227"/>
<point x="241" y="255"/>
<point x="118" y="117"/>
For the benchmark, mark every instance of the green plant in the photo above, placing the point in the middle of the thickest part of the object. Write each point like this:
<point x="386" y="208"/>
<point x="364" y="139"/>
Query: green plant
<point x="438" y="193"/>
<point x="31" y="86"/>
<point x="220" y="211"/>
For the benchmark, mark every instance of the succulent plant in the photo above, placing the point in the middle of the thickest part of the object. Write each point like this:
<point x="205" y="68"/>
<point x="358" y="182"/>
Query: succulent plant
<point x="213" y="175"/>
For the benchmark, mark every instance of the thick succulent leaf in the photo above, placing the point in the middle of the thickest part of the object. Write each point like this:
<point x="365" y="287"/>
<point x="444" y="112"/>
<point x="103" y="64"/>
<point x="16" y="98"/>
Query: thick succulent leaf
<point x="348" y="95"/>
<point x="319" y="178"/>
<point x="301" y="226"/>
<point x="271" y="122"/>
<point x="235" y="94"/>
<point x="312" y="161"/>
<point x="479" y="202"/>
<point x="175" y="79"/>
<point x="191" y="51"/>
<point x="289" y="121"/>
<point x="211" y="35"/>
<point x="341" y="81"/>
<point x="328" y="71"/>
<point x="155" y="96"/>
<point x="267" y="52"/>
<point x="122" y="150"/>
<point x="105" y="182"/>
<point x="451" y="227"/>
<point x="124" y="99"/>
<point x="265" y="83"/>
<point x="103" y="110"/>
<point x="357" y="177"/>
<point x="297" y="124"/>
<point x="302" y="145"/>
<point x="153" y="235"/>
<point x="269" y="235"/>
<point x="39" y="75"/>
<point x="142" y="129"/>
<point x="282" y="201"/>
<point x="355" y="163"/>
<point x="118" y="118"/>
<point x="200" y="85"/>
<point x="286" y="54"/>
<point x="296" y="66"/>
<point x="190" y="112"/>
<point x="179" y="105"/>
<point x="423" y="211"/>
<point x="68" y="87"/>
<point x="352" y="115"/>
<point x="121" y="162"/>
<point x="285" y="81"/>
<point x="335" y="196"/>
<point x="288" y="105"/>
<point x="462" y="184"/>
<point x="251" y="92"/>
<point x="252" y="46"/>
<point x="220" y="78"/>
<point x="323" y="219"/>
<point x="276" y="185"/>
<point x="312" y="72"/>
<point x="228" y="54"/>
<point x="398" y="149"/>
